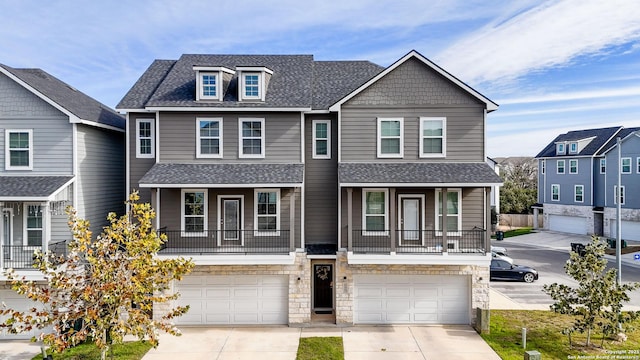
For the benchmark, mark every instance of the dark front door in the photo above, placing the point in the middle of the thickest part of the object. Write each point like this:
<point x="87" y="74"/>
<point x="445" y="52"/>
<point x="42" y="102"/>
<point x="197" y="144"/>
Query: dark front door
<point x="323" y="286"/>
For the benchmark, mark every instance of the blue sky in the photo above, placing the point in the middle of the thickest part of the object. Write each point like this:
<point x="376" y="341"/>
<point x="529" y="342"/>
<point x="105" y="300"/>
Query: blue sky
<point x="552" y="66"/>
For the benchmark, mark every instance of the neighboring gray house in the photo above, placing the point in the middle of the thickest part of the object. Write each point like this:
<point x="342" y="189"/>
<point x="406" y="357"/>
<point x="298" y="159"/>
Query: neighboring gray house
<point x="59" y="147"/>
<point x="312" y="190"/>
<point x="577" y="177"/>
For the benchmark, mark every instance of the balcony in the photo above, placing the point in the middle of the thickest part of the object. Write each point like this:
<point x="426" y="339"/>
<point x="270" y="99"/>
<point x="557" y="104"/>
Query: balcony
<point x="239" y="242"/>
<point x="418" y="242"/>
<point x="20" y="257"/>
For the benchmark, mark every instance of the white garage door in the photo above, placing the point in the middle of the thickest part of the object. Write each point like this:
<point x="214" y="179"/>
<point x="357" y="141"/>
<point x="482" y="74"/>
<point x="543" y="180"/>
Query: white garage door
<point x="409" y="299"/>
<point x="568" y="224"/>
<point x="630" y="230"/>
<point x="17" y="302"/>
<point x="242" y="299"/>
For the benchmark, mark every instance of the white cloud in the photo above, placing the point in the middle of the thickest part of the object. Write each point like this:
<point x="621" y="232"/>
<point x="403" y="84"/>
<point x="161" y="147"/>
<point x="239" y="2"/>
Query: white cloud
<point x="576" y="95"/>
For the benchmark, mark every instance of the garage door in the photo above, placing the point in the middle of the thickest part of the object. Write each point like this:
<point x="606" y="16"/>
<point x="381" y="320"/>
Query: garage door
<point x="242" y="299"/>
<point x="17" y="302"/>
<point x="630" y="230"/>
<point x="409" y="299"/>
<point x="568" y="224"/>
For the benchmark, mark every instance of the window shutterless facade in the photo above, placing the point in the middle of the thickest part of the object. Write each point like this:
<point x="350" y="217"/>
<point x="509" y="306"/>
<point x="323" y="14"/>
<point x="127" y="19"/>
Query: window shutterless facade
<point x="638" y="165"/>
<point x="560" y="148"/>
<point x="626" y="165"/>
<point x="375" y="213"/>
<point x="578" y="193"/>
<point x="18" y="149"/>
<point x="603" y="166"/>
<point x="267" y="213"/>
<point x="560" y="167"/>
<point x="454" y="211"/>
<point x="251" y="138"/>
<point x="145" y="135"/>
<point x="555" y="192"/>
<point x="433" y="137"/>
<point x="194" y="212"/>
<point x="573" y="166"/>
<point x="34" y="225"/>
<point x="543" y="166"/>
<point x="390" y="137"/>
<point x="615" y="194"/>
<point x="209" y="137"/>
<point x="209" y="86"/>
<point x="321" y="141"/>
<point x="251" y="84"/>
<point x="573" y="148"/>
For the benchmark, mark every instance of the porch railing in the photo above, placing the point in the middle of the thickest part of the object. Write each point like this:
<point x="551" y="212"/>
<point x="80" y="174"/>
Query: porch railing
<point x="227" y="242"/>
<point x="418" y="242"/>
<point x="22" y="256"/>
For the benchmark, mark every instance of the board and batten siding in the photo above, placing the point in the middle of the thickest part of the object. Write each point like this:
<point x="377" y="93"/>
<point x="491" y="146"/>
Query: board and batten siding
<point x="178" y="137"/>
<point x="138" y="166"/>
<point x="100" y="180"/>
<point x="321" y="192"/>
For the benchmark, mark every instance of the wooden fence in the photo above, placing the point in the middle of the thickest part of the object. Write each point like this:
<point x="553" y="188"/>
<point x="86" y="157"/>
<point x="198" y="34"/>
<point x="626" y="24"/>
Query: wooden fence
<point x="520" y="220"/>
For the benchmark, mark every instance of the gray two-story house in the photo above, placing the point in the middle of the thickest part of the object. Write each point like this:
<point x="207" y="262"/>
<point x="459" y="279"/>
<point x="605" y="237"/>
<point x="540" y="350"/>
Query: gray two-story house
<point x="59" y="147"/>
<point x="312" y="190"/>
<point x="577" y="177"/>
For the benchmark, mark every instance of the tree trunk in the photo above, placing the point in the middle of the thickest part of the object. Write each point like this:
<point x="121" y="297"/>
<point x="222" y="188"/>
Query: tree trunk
<point x="588" y="337"/>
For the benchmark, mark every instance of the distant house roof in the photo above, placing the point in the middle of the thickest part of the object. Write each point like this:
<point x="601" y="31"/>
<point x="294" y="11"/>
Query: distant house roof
<point x="417" y="174"/>
<point x="79" y="106"/>
<point x="25" y="188"/>
<point x="600" y="138"/>
<point x="235" y="175"/>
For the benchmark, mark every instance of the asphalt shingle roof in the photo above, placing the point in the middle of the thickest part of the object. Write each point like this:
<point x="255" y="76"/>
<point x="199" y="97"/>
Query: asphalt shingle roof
<point x="215" y="174"/>
<point x="413" y="173"/>
<point x="622" y="134"/>
<point x="74" y="101"/>
<point x="601" y="135"/>
<point x="142" y="90"/>
<point x="333" y="80"/>
<point x="31" y="186"/>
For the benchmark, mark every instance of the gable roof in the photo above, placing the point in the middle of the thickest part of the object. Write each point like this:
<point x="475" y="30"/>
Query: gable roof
<point x="601" y="137"/>
<point x="490" y="105"/>
<point x="80" y="107"/>
<point x="333" y="80"/>
<point x="623" y="134"/>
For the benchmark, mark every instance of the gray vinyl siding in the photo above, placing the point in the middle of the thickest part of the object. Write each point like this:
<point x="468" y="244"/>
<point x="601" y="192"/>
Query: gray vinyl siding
<point x="100" y="180"/>
<point x="321" y="191"/>
<point x="19" y="103"/>
<point x="598" y="183"/>
<point x="542" y="178"/>
<point x="178" y="137"/>
<point x="138" y="166"/>
<point x="60" y="228"/>
<point x="631" y="182"/>
<point x="567" y="181"/>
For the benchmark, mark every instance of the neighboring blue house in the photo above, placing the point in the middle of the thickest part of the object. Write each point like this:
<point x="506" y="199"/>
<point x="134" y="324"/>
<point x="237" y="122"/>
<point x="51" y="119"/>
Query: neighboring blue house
<point x="576" y="181"/>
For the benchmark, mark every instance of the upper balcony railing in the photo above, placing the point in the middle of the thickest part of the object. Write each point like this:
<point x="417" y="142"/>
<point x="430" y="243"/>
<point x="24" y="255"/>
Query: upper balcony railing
<point x="418" y="242"/>
<point x="227" y="242"/>
<point x="22" y="256"/>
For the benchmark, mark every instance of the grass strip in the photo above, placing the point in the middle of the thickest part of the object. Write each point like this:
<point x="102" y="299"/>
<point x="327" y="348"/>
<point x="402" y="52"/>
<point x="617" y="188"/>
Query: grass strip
<point x="320" y="348"/>
<point x="133" y="350"/>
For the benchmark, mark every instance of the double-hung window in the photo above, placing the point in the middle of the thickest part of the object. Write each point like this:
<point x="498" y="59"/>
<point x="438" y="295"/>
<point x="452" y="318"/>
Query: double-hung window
<point x="543" y="166"/>
<point x="578" y="193"/>
<point x="194" y="211"/>
<point x="33" y="225"/>
<point x="375" y="214"/>
<point x="615" y="194"/>
<point x="18" y="149"/>
<point x="267" y="215"/>
<point x="432" y="136"/>
<point x="454" y="211"/>
<point x="555" y="192"/>
<point x="321" y="139"/>
<point x="251" y="142"/>
<point x="145" y="147"/>
<point x="626" y="165"/>
<point x="603" y="166"/>
<point x="573" y="148"/>
<point x="209" y="137"/>
<point x="573" y="166"/>
<point x="560" y="148"/>
<point x="251" y="85"/>
<point x="209" y="85"/>
<point x="560" y="167"/>
<point x="390" y="137"/>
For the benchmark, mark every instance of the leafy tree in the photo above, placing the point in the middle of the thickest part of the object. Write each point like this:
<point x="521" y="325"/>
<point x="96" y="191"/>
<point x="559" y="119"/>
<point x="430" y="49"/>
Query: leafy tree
<point x="597" y="301"/>
<point x="103" y="289"/>
<point x="519" y="191"/>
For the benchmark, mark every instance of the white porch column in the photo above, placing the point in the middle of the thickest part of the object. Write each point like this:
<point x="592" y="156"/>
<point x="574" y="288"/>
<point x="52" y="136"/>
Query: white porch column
<point x="292" y="220"/>
<point x="445" y="244"/>
<point x="349" y="219"/>
<point x="46" y="231"/>
<point x="535" y="218"/>
<point x="392" y="218"/>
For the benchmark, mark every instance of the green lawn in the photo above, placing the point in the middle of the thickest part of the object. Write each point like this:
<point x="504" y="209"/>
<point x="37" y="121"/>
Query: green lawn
<point x="320" y="348"/>
<point x="134" y="350"/>
<point x="515" y="232"/>
<point x="544" y="335"/>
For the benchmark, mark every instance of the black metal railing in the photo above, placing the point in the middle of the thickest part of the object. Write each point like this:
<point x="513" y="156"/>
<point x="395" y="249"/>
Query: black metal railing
<point x="418" y="241"/>
<point x="226" y="242"/>
<point x="18" y="256"/>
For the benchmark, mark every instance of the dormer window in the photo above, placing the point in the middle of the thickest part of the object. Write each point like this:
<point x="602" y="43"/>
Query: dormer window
<point x="573" y="148"/>
<point x="210" y="82"/>
<point x="560" y="148"/>
<point x="253" y="83"/>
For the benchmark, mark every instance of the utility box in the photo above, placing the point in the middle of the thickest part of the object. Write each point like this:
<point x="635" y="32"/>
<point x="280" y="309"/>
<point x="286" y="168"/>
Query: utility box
<point x="532" y="355"/>
<point x="499" y="235"/>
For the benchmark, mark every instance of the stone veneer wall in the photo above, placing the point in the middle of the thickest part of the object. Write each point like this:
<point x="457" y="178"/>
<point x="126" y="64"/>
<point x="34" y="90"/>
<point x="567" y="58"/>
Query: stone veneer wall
<point x="344" y="288"/>
<point x="570" y="210"/>
<point x="625" y="215"/>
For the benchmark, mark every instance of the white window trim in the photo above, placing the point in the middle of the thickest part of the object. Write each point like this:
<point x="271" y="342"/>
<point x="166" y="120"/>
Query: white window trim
<point x="575" y="193"/>
<point x="444" y="137"/>
<point x="573" y="172"/>
<point x="315" y="138"/>
<point x="255" y="213"/>
<point x="571" y="150"/>
<point x="7" y="150"/>
<point x="561" y="148"/>
<point x="206" y="212"/>
<point x="262" y="138"/>
<point x="603" y="166"/>
<point x="386" y="212"/>
<point x="437" y="212"/>
<point x="25" y="228"/>
<point x="199" y="153"/>
<point x="152" y="137"/>
<point x="615" y="194"/>
<point x="564" y="168"/>
<point x="622" y="166"/>
<point x="243" y="85"/>
<point x="201" y="75"/>
<point x="552" y="186"/>
<point x="401" y="137"/>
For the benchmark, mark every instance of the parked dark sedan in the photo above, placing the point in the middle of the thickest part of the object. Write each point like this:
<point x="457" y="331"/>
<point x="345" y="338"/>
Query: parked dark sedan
<point x="501" y="269"/>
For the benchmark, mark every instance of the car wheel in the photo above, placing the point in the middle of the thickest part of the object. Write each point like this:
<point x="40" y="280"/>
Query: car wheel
<point x="528" y="277"/>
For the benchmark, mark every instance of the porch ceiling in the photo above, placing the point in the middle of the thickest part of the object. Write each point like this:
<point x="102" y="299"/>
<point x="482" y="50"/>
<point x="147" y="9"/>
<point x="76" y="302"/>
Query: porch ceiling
<point x="417" y="174"/>
<point x="223" y="175"/>
<point x="26" y="188"/>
